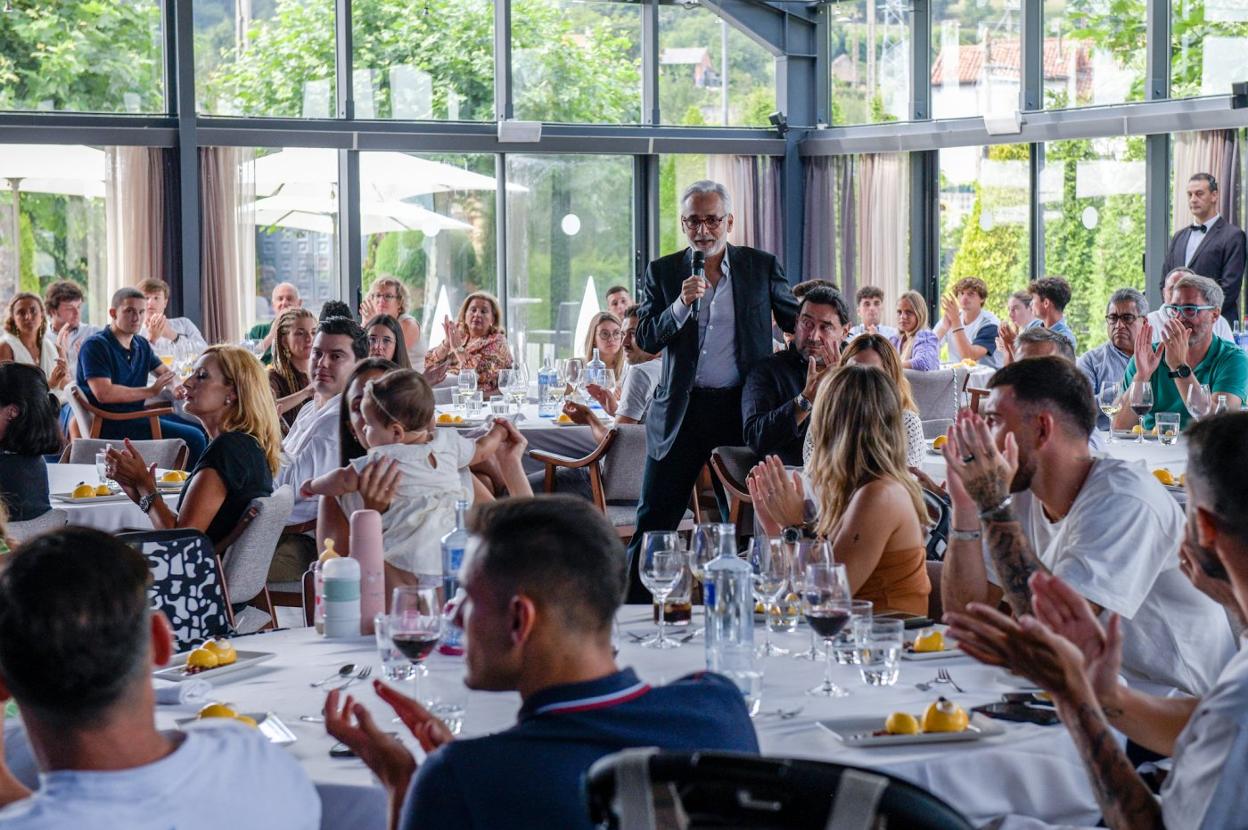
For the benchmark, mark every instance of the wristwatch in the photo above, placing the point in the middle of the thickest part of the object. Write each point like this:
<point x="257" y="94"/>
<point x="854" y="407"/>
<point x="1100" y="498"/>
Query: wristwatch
<point x="146" y="502"/>
<point x="1184" y="371"/>
<point x="804" y="404"/>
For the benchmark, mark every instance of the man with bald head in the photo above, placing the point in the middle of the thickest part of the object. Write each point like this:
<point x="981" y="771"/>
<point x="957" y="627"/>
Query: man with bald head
<point x="285" y="296"/>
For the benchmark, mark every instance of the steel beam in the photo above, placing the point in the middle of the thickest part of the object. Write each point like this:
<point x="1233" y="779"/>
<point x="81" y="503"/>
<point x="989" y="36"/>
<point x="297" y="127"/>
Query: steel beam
<point x="180" y="30"/>
<point x="349" y="240"/>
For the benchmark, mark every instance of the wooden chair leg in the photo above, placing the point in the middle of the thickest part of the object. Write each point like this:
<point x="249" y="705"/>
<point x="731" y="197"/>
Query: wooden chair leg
<point x="225" y="592"/>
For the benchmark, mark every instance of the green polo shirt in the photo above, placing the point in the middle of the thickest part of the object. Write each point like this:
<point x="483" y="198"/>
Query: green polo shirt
<point x="258" y="332"/>
<point x="1224" y="369"/>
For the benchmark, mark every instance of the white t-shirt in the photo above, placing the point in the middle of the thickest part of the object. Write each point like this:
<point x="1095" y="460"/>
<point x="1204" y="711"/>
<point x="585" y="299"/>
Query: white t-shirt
<point x="985" y="318"/>
<point x="432" y="477"/>
<point x="1118" y="547"/>
<point x="1205" y="788"/>
<point x="222" y="775"/>
<point x="638" y="391"/>
<point x="309" y="450"/>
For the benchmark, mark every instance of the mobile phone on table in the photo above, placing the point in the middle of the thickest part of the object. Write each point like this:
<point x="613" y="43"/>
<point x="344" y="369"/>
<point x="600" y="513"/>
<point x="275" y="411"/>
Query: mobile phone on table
<point x="341" y="750"/>
<point x="909" y="621"/>
<point x="1019" y="713"/>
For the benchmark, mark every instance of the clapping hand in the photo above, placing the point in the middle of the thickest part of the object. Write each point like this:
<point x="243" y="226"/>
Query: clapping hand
<point x="977" y="470"/>
<point x="514" y="443"/>
<point x="949" y="309"/>
<point x="367" y="311"/>
<point x="454" y="336"/>
<point x="60" y="372"/>
<point x="1147" y="356"/>
<point x="1174" y="337"/>
<point x="384" y="754"/>
<point x="1007" y="337"/>
<point x="127" y="467"/>
<point x="1219" y="590"/>
<point x="778" y="496"/>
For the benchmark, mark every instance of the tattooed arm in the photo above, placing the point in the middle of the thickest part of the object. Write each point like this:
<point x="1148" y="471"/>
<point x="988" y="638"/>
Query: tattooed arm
<point x="979" y="478"/>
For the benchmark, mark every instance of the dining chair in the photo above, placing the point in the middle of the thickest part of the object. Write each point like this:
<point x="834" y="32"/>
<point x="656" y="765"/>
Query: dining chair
<point x="165" y="453"/>
<point x="615" y="468"/>
<point x="246" y="554"/>
<point x="644" y="788"/>
<point x="732" y="466"/>
<point x="89" y="419"/>
<point x="26" y="530"/>
<point x="186" y="583"/>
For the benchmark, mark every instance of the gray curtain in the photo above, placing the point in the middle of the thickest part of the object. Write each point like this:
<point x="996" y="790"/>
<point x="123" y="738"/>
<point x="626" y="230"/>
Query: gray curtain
<point x="829" y="239"/>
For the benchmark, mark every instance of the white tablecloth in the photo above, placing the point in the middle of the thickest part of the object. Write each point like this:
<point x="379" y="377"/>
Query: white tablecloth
<point x="1031" y="770"/>
<point x="542" y="434"/>
<point x="107" y="515"/>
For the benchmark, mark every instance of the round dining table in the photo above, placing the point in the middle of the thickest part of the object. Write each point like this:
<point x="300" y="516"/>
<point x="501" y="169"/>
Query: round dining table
<point x="543" y="433"/>
<point x="112" y="513"/>
<point x="1028" y="770"/>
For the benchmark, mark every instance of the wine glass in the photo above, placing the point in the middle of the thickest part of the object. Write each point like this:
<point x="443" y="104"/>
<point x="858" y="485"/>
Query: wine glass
<point x="506" y="381"/>
<point x="1141" y="400"/>
<point x="575" y="372"/>
<point x="520" y="385"/>
<point x="1110" y="402"/>
<point x="1199" y="396"/>
<point x="466" y="383"/>
<point x="416" y="625"/>
<point x="661" y="565"/>
<point x="805" y="553"/>
<point x="827" y="606"/>
<point x="770" y="565"/>
<point x="610" y="381"/>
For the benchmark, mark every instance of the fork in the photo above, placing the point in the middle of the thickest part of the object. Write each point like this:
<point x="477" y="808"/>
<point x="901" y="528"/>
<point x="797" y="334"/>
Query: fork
<point x="943" y="676"/>
<point x="363" y="674"/>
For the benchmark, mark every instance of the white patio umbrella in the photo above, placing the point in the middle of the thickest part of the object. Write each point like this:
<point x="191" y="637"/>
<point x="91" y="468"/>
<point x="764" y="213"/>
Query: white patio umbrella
<point x="320" y="215"/>
<point x="384" y="175"/>
<point x="589" y="307"/>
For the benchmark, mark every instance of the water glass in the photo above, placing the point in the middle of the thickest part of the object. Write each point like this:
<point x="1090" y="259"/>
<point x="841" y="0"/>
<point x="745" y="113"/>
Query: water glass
<point x="474" y="404"/>
<point x="879" y="648"/>
<point x="101" y="465"/>
<point x="498" y="406"/>
<point x="552" y="404"/>
<point x="1199" y="400"/>
<point x="1167" y="427"/>
<point x="845" y="646"/>
<point x="394" y="666"/>
<point x="770" y="565"/>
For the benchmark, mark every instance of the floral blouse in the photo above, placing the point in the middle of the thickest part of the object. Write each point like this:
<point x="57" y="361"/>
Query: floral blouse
<point x="484" y="354"/>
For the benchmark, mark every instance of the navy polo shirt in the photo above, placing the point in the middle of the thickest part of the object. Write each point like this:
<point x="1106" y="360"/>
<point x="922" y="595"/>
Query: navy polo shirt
<point x="531" y="775"/>
<point x="101" y="356"/>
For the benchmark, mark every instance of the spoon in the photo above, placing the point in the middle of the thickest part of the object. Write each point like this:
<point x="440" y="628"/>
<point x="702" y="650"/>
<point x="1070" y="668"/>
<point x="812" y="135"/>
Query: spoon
<point x="349" y="668"/>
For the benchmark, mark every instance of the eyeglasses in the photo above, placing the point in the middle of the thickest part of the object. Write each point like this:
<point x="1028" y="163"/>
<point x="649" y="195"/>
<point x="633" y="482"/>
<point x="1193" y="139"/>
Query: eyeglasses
<point x="1188" y="312"/>
<point x="1125" y="319"/>
<point x="712" y="223"/>
<point x="610" y="335"/>
<point x="386" y="296"/>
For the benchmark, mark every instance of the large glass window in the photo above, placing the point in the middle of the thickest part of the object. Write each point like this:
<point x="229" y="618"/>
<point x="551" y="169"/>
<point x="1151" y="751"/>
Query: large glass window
<point x="870" y="61"/>
<point x="82" y="57"/>
<point x="1209" y="38"/>
<point x="429" y="221"/>
<point x="1093" y="52"/>
<point x="984" y="203"/>
<point x="569" y="239"/>
<point x="289" y="212"/>
<point x="576" y="61"/>
<point x="1092" y="194"/>
<point x="976" y="69"/>
<point x="711" y="73"/>
<point x="265" y="58"/>
<point x="432" y="59"/>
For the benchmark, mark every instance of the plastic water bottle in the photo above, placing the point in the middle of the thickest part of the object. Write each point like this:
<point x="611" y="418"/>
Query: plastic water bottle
<point x="596" y="371"/>
<point x="729" y="598"/>
<point x="547" y="379"/>
<point x="341" y="577"/>
<point x="453" y="546"/>
<point x="366" y="549"/>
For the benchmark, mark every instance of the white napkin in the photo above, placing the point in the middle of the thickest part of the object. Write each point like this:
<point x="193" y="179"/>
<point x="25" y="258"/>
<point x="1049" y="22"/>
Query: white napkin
<point x="193" y="691"/>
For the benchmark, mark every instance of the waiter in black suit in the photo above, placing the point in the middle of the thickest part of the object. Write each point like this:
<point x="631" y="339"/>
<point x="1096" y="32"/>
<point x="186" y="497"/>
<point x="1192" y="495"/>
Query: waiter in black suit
<point x="711" y="330"/>
<point x="1210" y="246"/>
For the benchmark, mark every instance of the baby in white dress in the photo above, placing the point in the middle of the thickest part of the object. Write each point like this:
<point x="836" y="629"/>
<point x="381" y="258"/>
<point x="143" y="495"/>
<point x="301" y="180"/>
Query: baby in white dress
<point x="398" y="412"/>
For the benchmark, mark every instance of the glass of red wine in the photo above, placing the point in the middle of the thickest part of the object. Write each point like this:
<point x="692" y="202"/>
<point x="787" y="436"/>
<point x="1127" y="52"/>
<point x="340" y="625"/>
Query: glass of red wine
<point x="826" y="602"/>
<point x="416" y="624"/>
<point x="1141" y="402"/>
<point x="805" y="553"/>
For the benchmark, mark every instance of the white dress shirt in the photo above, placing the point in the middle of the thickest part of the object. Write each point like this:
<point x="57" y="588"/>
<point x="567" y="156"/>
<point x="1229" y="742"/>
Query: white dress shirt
<point x="1197" y="236"/>
<point x="310" y="449"/>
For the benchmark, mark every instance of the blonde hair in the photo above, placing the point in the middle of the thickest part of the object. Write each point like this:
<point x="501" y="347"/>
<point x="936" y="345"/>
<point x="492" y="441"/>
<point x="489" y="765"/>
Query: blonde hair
<point x="890" y="360"/>
<point x="282" y="365"/>
<point x="403" y="396"/>
<point x="462" y="318"/>
<point x="399" y="288"/>
<point x="919" y="306"/>
<point x="10" y="322"/>
<point x="253" y="412"/>
<point x="858" y="436"/>
<point x="617" y="363"/>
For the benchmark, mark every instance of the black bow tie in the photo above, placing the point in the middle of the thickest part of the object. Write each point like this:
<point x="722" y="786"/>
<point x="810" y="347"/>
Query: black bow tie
<point x="1201" y="228"/>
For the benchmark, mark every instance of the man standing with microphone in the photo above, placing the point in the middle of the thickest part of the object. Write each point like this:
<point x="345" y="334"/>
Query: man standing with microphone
<point x="708" y="309"/>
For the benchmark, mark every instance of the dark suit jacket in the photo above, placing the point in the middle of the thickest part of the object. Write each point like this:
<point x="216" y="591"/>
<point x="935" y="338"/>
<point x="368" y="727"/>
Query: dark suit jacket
<point x="758" y="289"/>
<point x="769" y="407"/>
<point x="1220" y="257"/>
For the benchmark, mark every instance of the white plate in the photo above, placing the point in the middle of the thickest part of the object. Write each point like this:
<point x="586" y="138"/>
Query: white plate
<point x="68" y="498"/>
<point x="951" y="649"/>
<point x="176" y="672"/>
<point x="860" y="732"/>
<point x="269" y="724"/>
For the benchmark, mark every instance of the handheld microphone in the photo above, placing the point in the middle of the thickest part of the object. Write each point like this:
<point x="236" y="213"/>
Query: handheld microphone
<point x="699" y="271"/>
